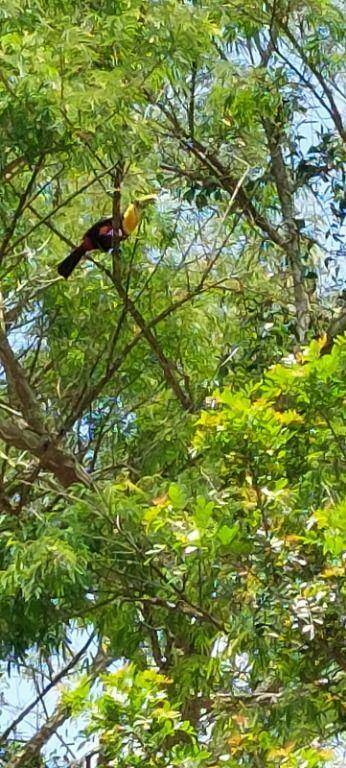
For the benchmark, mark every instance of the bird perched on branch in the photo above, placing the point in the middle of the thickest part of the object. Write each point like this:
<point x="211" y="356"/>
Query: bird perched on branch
<point x="100" y="236"/>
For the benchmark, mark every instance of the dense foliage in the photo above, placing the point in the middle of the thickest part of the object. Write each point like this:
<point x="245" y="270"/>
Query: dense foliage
<point x="172" y="455"/>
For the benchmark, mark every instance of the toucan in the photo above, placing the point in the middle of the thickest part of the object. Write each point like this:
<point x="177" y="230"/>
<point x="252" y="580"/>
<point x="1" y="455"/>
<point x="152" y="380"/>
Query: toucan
<point x="100" y="236"/>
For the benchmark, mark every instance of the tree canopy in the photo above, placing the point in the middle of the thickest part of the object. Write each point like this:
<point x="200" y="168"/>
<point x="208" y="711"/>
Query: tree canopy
<point x="172" y="427"/>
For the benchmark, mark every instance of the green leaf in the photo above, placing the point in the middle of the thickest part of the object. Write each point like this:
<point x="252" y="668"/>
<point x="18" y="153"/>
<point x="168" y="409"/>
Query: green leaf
<point x="177" y="496"/>
<point x="203" y="511"/>
<point x="227" y="533"/>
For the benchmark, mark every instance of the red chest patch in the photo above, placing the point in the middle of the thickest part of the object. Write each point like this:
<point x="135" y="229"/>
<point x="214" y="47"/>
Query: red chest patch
<point x="106" y="229"/>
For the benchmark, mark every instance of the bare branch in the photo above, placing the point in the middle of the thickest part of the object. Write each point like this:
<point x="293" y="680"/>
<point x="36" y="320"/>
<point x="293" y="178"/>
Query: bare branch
<point x="191" y="108"/>
<point x="33" y="747"/>
<point x="55" y="680"/>
<point x="17" y="381"/>
<point x="19" y="210"/>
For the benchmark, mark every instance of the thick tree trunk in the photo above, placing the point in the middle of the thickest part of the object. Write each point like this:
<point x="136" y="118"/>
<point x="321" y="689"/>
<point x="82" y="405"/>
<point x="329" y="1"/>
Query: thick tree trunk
<point x="291" y="244"/>
<point x="32" y="433"/>
<point x="52" y="457"/>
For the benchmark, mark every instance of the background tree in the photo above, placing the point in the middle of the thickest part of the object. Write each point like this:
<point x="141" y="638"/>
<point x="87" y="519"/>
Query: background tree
<point x="172" y="434"/>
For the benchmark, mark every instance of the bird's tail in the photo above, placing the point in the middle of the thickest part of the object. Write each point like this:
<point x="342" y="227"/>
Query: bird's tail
<point x="68" y="265"/>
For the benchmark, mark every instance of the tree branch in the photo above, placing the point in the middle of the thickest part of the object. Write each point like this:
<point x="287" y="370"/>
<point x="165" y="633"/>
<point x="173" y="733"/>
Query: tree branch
<point x="291" y="244"/>
<point x="18" y="383"/>
<point x="191" y="107"/>
<point x="63" y="204"/>
<point x="31" y="751"/>
<point x="55" y="680"/>
<point x="333" y="110"/>
<point x="209" y="160"/>
<point x="166" y="365"/>
<point x="17" y="433"/>
<point x="336" y="328"/>
<point x="19" y="210"/>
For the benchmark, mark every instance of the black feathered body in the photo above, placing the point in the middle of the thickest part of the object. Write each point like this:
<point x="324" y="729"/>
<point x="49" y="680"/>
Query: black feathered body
<point x="98" y="238"/>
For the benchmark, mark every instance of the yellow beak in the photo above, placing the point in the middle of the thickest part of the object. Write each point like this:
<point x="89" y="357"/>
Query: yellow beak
<point x="145" y="200"/>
